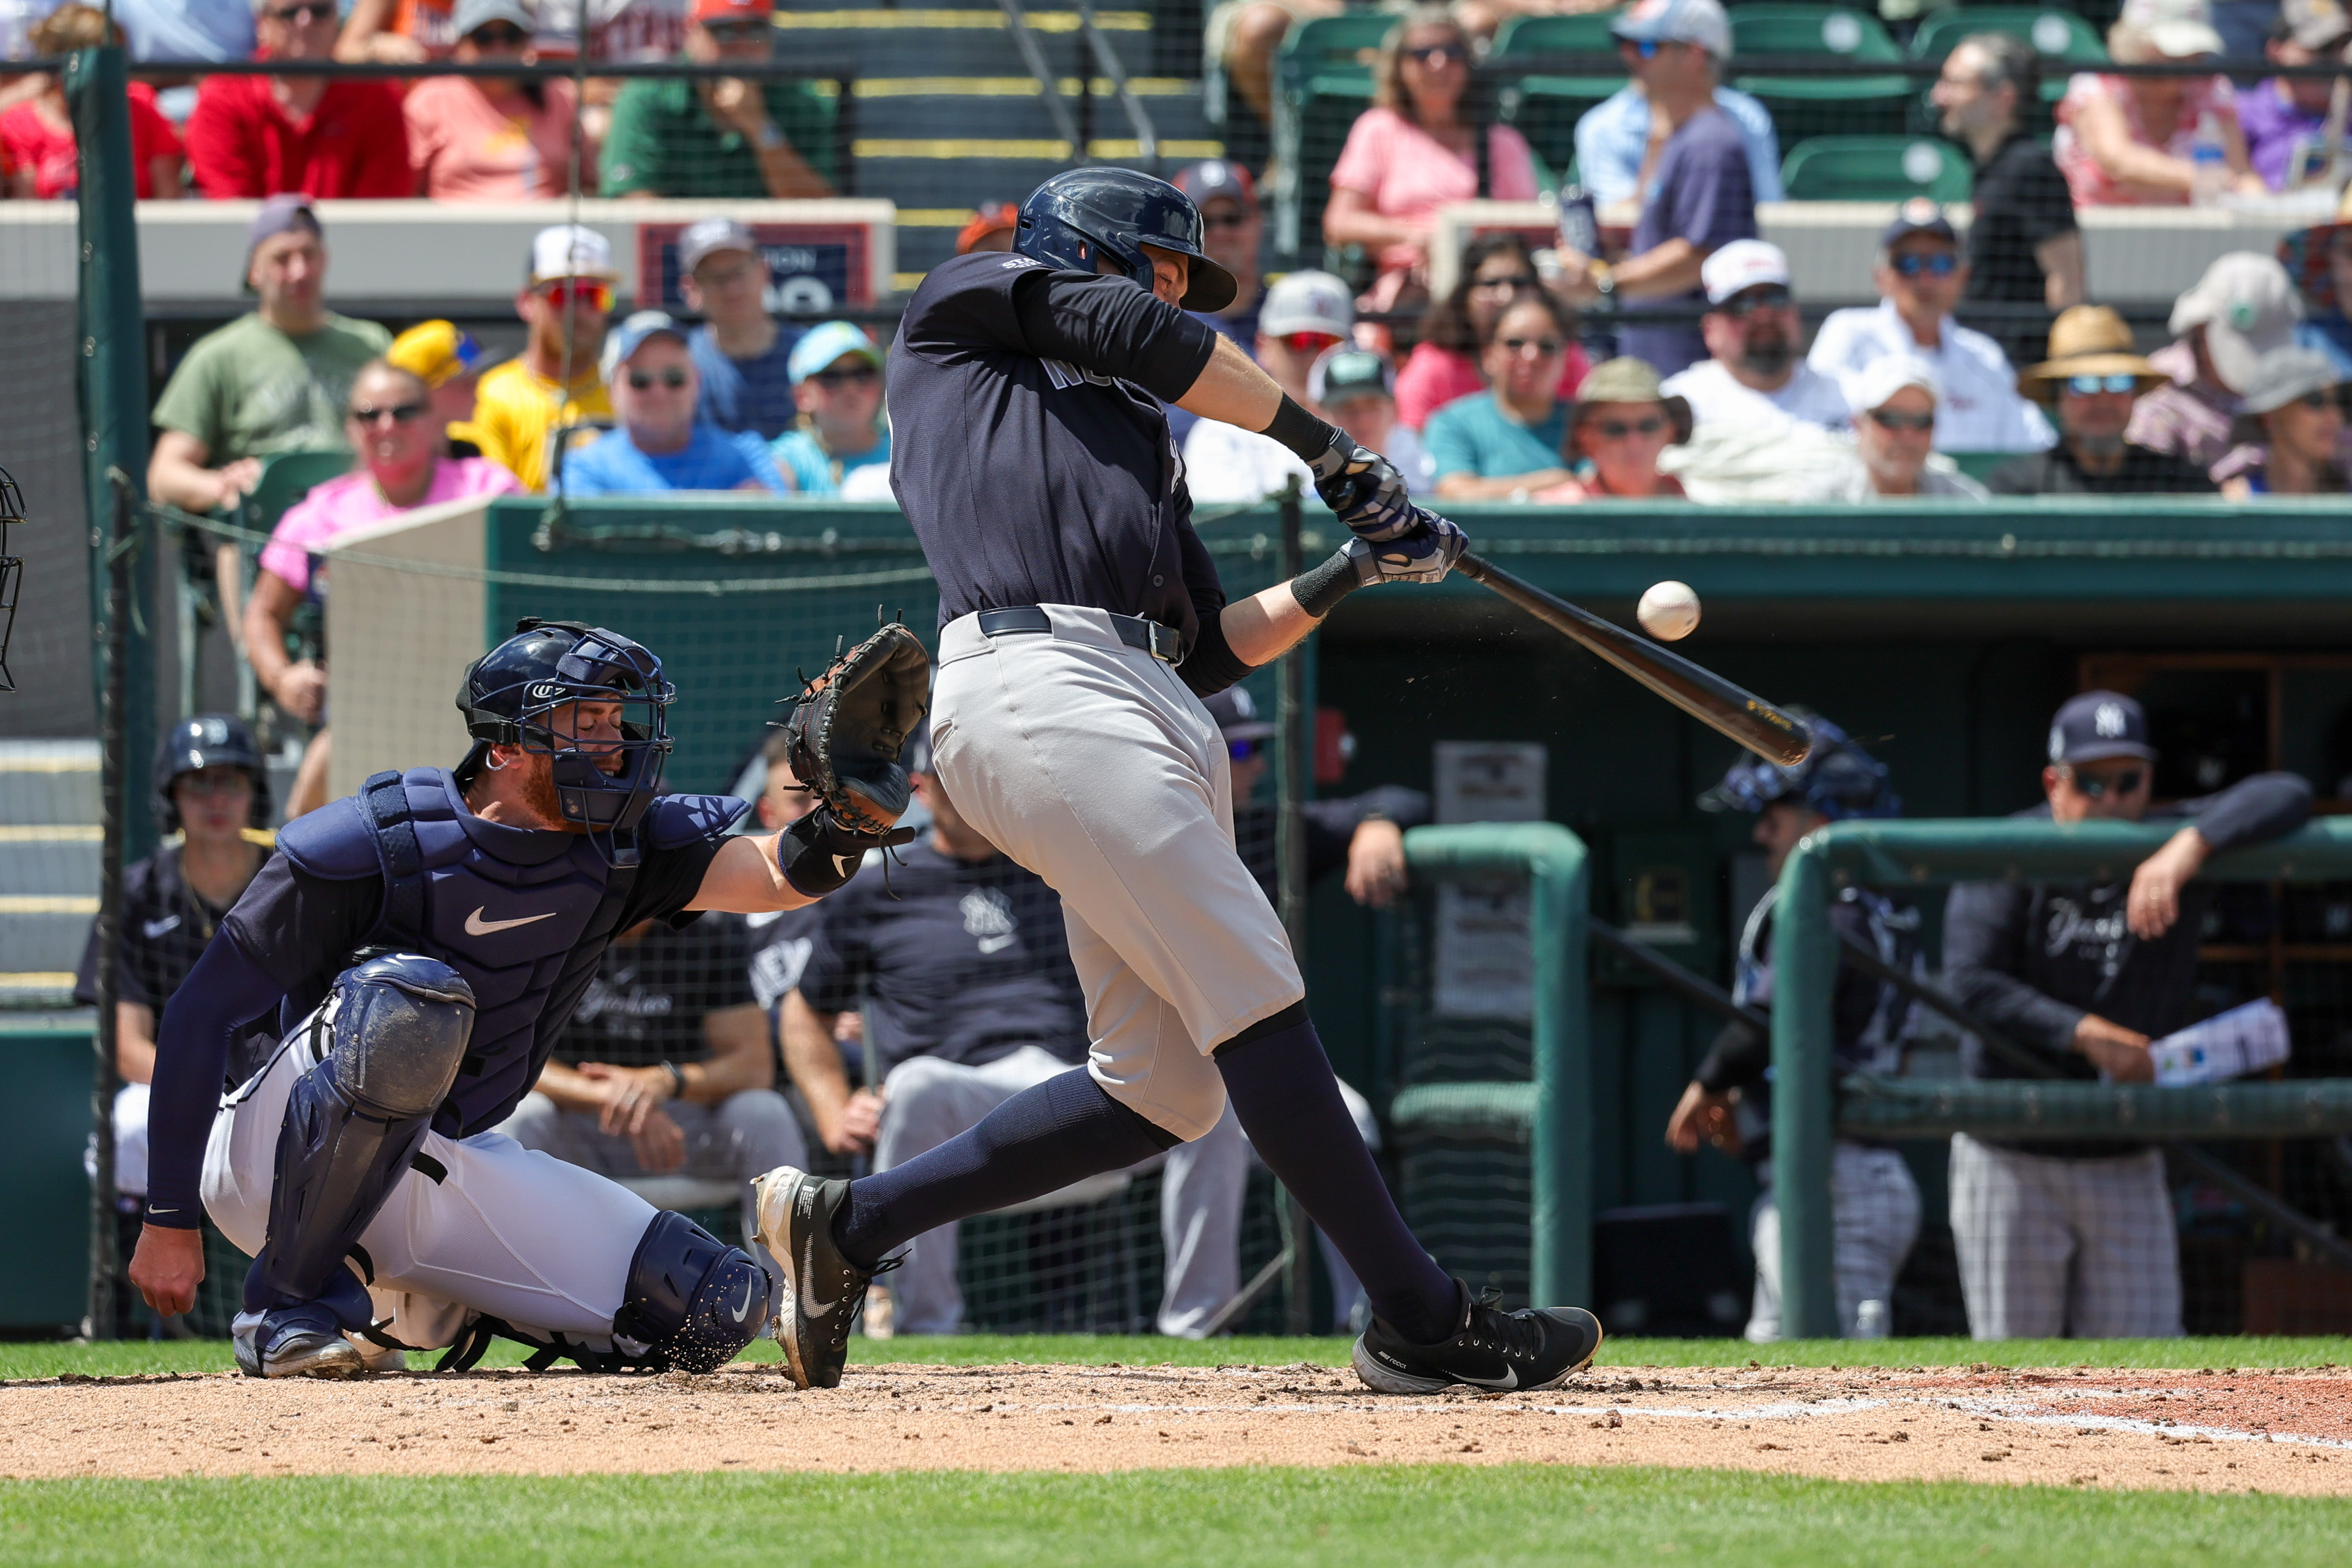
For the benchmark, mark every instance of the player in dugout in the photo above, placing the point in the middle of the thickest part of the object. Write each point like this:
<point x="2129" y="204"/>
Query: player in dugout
<point x="1874" y="1200"/>
<point x="1082" y="622"/>
<point x="2078" y="1238"/>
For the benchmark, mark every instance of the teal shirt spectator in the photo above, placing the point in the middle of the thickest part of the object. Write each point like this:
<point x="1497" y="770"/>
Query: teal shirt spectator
<point x="817" y="472"/>
<point x="712" y="460"/>
<point x="1474" y="435"/>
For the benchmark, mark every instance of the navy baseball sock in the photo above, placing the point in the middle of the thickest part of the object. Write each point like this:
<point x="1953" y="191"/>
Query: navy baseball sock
<point x="1060" y="1132"/>
<point x="1282" y="1088"/>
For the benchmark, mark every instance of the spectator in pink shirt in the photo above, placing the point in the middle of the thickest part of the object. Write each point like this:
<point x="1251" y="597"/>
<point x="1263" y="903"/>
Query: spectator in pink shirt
<point x="493" y="138"/>
<point x="1427" y="142"/>
<point x="1497" y="272"/>
<point x="401" y="468"/>
<point x="2132" y="141"/>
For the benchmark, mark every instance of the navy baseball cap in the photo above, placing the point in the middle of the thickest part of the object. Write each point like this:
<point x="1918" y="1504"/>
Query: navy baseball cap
<point x="1917" y="215"/>
<point x="2098" y="725"/>
<point x="1214" y="178"/>
<point x="1235" y="712"/>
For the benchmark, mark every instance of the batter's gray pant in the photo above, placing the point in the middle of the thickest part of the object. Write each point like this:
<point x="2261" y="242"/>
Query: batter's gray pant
<point x="748" y="1134"/>
<point x="1092" y="765"/>
<point x="2051" y="1247"/>
<point x="1874" y="1218"/>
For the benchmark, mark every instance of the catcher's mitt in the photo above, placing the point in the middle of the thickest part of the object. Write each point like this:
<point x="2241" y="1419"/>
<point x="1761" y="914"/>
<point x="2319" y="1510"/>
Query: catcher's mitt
<point x="850" y="725"/>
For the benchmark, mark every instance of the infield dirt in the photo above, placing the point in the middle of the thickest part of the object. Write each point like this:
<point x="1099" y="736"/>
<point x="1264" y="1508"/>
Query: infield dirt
<point x="2226" y="1431"/>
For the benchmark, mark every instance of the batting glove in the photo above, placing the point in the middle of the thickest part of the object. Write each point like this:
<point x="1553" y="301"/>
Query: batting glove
<point x="1425" y="554"/>
<point x="1364" y="489"/>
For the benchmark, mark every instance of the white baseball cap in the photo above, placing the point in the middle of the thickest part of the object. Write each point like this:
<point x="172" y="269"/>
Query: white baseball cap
<point x="1743" y="264"/>
<point x="570" y="250"/>
<point x="1700" y="22"/>
<point x="1307" y="302"/>
<point x="1888" y="374"/>
<point x="2247" y="305"/>
<point x="2180" y="29"/>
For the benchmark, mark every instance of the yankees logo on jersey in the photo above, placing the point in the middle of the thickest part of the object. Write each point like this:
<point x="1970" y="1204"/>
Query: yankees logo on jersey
<point x="988" y="916"/>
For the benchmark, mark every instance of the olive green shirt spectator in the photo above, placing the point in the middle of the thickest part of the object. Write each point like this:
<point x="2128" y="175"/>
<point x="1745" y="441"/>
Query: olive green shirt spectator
<point x="250" y="390"/>
<point x="663" y="142"/>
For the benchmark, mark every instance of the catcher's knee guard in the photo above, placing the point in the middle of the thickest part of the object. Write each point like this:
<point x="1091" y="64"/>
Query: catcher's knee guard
<point x="692" y="1300"/>
<point x="397" y="1028"/>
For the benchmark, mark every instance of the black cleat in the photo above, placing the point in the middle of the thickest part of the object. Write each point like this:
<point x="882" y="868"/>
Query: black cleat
<point x="823" y="1289"/>
<point x="1536" y="1347"/>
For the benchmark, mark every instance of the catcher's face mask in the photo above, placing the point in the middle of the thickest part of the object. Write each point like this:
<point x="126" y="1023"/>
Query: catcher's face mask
<point x="601" y="715"/>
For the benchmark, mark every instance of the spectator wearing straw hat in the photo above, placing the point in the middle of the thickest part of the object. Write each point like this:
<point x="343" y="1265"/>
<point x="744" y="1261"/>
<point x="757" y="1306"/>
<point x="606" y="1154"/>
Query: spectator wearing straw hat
<point x="2090" y="382"/>
<point x="1921" y="275"/>
<point x="1621" y="422"/>
<point x="743" y="352"/>
<point x="2243" y="307"/>
<point x="744" y="137"/>
<point x="2291" y="437"/>
<point x="2319" y="260"/>
<point x="660" y="442"/>
<point x="841" y="437"/>
<point x="1897" y="416"/>
<point x="254" y="136"/>
<point x="566" y="301"/>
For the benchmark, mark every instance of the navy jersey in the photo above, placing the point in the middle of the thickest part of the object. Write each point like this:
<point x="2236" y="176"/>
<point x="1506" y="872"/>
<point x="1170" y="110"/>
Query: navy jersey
<point x="165" y="925"/>
<point x="650" y="994"/>
<point x="1032" y="458"/>
<point x="960" y="960"/>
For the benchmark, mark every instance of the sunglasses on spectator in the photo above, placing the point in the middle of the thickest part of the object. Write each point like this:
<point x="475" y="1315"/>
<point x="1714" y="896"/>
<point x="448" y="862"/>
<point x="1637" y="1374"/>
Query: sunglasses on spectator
<point x="1891" y="419"/>
<point x="499" y="35"/>
<point x="2095" y="784"/>
<point x="855" y="375"/>
<point x="2325" y="397"/>
<point x="1514" y="281"/>
<point x="640" y="381"/>
<point x="1308" y="342"/>
<point x="1939" y="264"/>
<point x="1770" y="297"/>
<point x="589" y="295"/>
<point x="1437" y="55"/>
<point x="1646" y="48"/>
<point x="2092" y="385"/>
<point x="1618" y="429"/>
<point x="1545" y="347"/>
<point x="400" y="413"/>
<point x="1224" y="220"/>
<point x="302" y="15"/>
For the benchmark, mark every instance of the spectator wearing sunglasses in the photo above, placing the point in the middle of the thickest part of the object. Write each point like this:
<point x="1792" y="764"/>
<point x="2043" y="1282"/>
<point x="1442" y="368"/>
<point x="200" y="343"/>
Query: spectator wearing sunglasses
<point x="742" y="137"/>
<point x="2292" y="435"/>
<point x="1618" y="428"/>
<point x="841" y="432"/>
<point x="493" y="138"/>
<point x="660" y="441"/>
<point x="1505" y="444"/>
<point x="1429" y="140"/>
<point x="1754" y="376"/>
<point x="255" y="136"/>
<point x="2243" y="307"/>
<point x="2059" y="1237"/>
<point x="1921" y="275"/>
<point x="1897" y="420"/>
<point x="566" y="301"/>
<point x="401" y="466"/>
<point x="2090" y="382"/>
<point x="1497" y="269"/>
<point x="1307" y="315"/>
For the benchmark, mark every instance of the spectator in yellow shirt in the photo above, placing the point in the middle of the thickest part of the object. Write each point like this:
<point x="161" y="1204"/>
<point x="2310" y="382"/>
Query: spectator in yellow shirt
<point x="566" y="301"/>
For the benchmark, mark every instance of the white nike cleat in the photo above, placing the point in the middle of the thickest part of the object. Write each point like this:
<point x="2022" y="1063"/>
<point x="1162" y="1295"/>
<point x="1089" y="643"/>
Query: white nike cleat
<point x="1536" y="1347"/>
<point x="823" y="1289"/>
<point x="294" y="1341"/>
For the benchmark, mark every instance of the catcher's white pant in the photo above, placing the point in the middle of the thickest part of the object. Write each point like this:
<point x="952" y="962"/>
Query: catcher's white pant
<point x="1092" y="765"/>
<point x="2051" y="1246"/>
<point x="1874" y="1210"/>
<point x="511" y="1232"/>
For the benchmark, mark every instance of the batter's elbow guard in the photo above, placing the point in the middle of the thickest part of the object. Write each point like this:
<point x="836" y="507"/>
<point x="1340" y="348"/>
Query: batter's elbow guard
<point x="692" y="1300"/>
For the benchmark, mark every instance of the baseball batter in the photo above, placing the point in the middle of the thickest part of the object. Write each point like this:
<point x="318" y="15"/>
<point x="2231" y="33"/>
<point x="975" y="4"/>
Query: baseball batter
<point x="404" y="962"/>
<point x="1082" y="622"/>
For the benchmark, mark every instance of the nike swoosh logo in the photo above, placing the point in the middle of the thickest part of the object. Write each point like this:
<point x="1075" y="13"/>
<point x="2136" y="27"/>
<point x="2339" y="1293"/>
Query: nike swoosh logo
<point x="846" y="863"/>
<point x="810" y="1305"/>
<point x="157" y="928"/>
<point x="1510" y="1380"/>
<point x="476" y="926"/>
<point x="745" y="1304"/>
<point x="994" y="943"/>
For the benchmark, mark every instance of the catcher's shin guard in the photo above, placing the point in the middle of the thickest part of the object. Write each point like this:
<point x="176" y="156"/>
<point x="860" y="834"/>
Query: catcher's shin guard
<point x="399" y="1026"/>
<point x="692" y="1300"/>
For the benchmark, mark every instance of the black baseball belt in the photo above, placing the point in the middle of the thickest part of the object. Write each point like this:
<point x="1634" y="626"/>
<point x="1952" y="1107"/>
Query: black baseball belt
<point x="1163" y="643"/>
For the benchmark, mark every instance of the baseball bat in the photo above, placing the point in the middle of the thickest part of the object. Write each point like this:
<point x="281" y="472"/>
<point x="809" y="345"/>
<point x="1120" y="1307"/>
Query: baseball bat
<point x="1697" y="691"/>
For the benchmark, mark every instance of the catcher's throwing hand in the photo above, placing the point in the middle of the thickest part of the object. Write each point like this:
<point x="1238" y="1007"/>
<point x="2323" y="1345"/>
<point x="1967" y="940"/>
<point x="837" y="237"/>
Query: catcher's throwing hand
<point x="1424" y="553"/>
<point x="848" y="730"/>
<point x="1363" y="489"/>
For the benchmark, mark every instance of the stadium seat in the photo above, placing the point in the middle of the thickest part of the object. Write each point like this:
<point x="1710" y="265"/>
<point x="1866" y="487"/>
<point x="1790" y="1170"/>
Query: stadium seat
<point x="1546" y="106"/>
<point x="1876" y="169"/>
<point x="1824" y="105"/>
<point x="1322" y="81"/>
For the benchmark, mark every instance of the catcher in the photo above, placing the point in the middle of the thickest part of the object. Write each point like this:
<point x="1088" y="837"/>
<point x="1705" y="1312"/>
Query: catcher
<point x="389" y="986"/>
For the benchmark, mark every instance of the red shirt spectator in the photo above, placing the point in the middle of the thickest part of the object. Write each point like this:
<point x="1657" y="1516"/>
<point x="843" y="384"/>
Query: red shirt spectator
<point x="257" y="136"/>
<point x="43" y="149"/>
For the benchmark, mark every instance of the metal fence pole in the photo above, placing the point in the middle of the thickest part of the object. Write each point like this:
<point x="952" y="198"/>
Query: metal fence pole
<point x="1804" y="970"/>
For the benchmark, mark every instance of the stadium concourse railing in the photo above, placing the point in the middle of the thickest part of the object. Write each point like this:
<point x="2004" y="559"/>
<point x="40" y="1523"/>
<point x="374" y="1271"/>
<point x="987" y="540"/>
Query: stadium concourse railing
<point x="1809" y="1109"/>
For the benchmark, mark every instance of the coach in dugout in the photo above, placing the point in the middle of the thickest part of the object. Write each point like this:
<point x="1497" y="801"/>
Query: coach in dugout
<point x="2078" y="1238"/>
<point x="212" y="790"/>
<point x="1874" y="1201"/>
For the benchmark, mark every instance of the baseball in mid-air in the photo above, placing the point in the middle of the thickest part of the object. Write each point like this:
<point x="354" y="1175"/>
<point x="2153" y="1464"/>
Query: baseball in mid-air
<point x="1669" y="611"/>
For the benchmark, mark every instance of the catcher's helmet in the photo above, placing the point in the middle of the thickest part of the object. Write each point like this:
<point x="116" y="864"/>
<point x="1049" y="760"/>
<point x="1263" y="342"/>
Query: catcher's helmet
<point x="1837" y="778"/>
<point x="509" y="697"/>
<point x="209" y="741"/>
<point x="1081" y="215"/>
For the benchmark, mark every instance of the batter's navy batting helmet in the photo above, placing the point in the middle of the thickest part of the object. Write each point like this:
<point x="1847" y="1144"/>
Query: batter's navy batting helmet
<point x="209" y="741"/>
<point x="509" y="695"/>
<point x="1837" y="778"/>
<point x="1082" y="214"/>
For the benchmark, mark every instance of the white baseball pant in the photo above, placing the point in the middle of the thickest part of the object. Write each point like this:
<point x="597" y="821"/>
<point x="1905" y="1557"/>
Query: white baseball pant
<point x="2049" y="1247"/>
<point x="1874" y="1218"/>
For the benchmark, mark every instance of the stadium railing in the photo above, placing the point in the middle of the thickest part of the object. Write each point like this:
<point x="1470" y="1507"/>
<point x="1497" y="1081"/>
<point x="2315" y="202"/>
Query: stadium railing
<point x="1808" y="1111"/>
